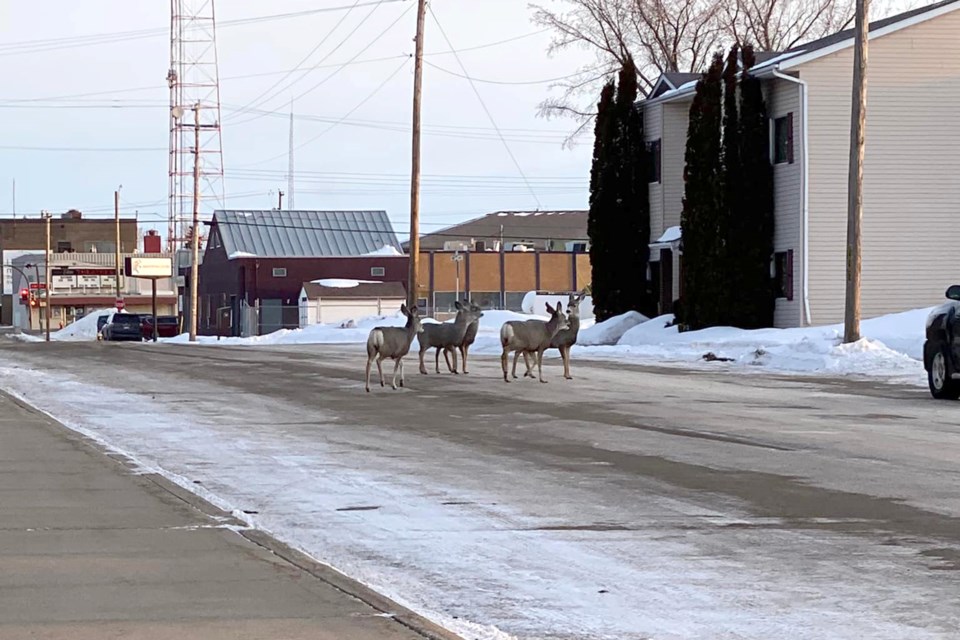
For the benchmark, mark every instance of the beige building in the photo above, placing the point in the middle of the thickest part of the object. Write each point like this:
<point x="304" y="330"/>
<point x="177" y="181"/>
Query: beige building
<point x="911" y="237"/>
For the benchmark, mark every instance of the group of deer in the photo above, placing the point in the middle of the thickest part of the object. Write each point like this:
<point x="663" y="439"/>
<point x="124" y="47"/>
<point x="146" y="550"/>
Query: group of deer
<point x="527" y="337"/>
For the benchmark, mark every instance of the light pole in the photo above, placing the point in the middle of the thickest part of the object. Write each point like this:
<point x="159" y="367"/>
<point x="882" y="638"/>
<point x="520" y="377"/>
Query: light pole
<point x="46" y="276"/>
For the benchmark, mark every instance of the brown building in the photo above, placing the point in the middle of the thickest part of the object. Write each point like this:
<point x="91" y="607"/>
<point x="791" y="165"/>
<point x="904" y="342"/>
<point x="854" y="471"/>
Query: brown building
<point x="68" y="233"/>
<point x="533" y="230"/>
<point x="255" y="263"/>
<point x="498" y="279"/>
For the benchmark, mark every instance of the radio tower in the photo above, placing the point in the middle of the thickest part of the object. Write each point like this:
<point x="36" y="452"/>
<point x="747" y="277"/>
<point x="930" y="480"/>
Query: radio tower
<point x="194" y="82"/>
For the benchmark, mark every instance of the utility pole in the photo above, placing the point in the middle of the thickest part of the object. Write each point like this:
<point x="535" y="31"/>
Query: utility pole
<point x="413" y="284"/>
<point x="46" y="277"/>
<point x="858" y="120"/>
<point x="116" y="218"/>
<point x="195" y="236"/>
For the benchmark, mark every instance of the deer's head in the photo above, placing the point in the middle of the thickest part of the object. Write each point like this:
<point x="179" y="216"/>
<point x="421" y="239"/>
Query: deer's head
<point x="556" y="316"/>
<point x="413" y="318"/>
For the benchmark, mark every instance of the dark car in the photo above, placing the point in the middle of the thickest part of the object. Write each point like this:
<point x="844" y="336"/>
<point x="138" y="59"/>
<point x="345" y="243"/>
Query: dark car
<point x="941" y="350"/>
<point x="167" y="326"/>
<point x="123" y="326"/>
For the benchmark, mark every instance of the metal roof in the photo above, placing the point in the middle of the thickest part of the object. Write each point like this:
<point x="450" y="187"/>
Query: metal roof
<point x="513" y="226"/>
<point x="303" y="234"/>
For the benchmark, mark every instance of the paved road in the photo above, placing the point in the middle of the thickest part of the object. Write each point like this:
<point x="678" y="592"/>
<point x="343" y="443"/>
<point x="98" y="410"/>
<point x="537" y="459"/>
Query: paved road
<point x="631" y="502"/>
<point x="89" y="550"/>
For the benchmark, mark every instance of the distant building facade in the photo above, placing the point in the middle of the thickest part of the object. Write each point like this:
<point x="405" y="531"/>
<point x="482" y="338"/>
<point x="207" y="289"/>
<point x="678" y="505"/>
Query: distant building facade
<point x="513" y="231"/>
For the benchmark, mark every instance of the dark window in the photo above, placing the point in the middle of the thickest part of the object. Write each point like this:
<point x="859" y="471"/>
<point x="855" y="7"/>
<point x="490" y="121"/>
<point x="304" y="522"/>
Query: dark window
<point x="279" y="272"/>
<point x="480" y="245"/>
<point x="783" y="140"/>
<point x="655" y="160"/>
<point x="64" y="247"/>
<point x="378" y="272"/>
<point x="783" y="274"/>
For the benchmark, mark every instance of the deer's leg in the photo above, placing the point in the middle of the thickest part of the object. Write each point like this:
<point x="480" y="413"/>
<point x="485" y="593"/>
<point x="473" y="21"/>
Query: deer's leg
<point x="463" y="353"/>
<point x="516" y="356"/>
<point x="380" y="368"/>
<point x="565" y="354"/>
<point x="540" y="365"/>
<point x="447" y="351"/>
<point x="423" y="369"/>
<point x="396" y="368"/>
<point x="526" y="361"/>
<point x="369" y="362"/>
<point x="400" y="361"/>
<point x="503" y="363"/>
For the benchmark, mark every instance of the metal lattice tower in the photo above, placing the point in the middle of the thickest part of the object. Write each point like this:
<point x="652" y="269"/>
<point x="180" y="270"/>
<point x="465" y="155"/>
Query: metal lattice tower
<point x="194" y="81"/>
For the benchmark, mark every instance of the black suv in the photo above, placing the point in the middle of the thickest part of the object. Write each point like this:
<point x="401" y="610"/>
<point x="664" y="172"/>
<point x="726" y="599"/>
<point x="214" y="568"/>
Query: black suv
<point x="941" y="350"/>
<point x="123" y="326"/>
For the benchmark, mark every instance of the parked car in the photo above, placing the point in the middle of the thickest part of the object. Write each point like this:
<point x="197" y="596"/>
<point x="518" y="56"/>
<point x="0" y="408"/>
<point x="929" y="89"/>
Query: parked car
<point x="167" y="326"/>
<point x="123" y="326"/>
<point x="941" y="350"/>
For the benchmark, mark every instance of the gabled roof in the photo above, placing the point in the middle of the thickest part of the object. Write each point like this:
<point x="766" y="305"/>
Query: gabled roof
<point x="671" y="80"/>
<point x="315" y="290"/>
<point x="303" y="234"/>
<point x="513" y="226"/>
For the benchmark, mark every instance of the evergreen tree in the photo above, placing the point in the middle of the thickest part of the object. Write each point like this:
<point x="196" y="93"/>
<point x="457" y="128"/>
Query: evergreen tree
<point x="756" y="215"/>
<point x="729" y="242"/>
<point x="702" y="203"/>
<point x="632" y="201"/>
<point x="599" y="222"/>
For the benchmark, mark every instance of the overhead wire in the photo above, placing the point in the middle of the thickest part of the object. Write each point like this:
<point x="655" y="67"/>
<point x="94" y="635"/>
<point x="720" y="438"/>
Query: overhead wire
<point x="483" y="104"/>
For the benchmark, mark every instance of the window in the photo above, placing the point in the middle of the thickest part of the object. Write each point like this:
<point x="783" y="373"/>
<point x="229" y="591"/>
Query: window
<point x="480" y="245"/>
<point x="654" y="150"/>
<point x="783" y="274"/>
<point x="99" y="247"/>
<point x="783" y="140"/>
<point x="64" y="246"/>
<point x="378" y="272"/>
<point x="279" y="272"/>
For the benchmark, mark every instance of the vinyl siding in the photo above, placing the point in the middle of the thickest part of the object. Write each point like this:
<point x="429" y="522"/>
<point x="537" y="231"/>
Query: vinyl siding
<point x="675" y="119"/>
<point x="653" y="130"/>
<point x="911" y="191"/>
<point x="783" y="98"/>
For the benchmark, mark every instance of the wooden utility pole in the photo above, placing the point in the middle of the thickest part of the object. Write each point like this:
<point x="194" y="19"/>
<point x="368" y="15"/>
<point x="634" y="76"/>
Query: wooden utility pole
<point x="46" y="277"/>
<point x="116" y="218"/>
<point x="413" y="284"/>
<point x="195" y="236"/>
<point x="858" y="121"/>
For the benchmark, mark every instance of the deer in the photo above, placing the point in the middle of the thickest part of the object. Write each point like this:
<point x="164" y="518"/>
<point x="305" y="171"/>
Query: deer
<point x="530" y="336"/>
<point x="393" y="343"/>
<point x="447" y="336"/>
<point x="470" y="336"/>
<point x="565" y="338"/>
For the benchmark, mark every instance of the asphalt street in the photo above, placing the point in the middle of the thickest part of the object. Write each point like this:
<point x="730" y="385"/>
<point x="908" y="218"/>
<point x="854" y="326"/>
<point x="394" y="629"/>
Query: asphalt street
<point x="835" y="499"/>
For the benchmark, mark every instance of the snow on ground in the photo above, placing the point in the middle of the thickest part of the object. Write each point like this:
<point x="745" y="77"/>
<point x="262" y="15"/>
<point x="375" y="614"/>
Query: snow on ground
<point x="610" y="330"/>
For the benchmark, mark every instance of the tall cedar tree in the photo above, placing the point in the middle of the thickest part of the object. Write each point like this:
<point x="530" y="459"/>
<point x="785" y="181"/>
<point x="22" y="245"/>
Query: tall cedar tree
<point x="702" y="203"/>
<point x="756" y="216"/>
<point x="632" y="212"/>
<point x="600" y="227"/>
<point x="729" y="240"/>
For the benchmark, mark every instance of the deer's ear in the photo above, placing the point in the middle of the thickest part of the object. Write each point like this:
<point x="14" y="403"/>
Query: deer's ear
<point x="559" y="305"/>
<point x="457" y="305"/>
<point x="403" y="309"/>
<point x="415" y="311"/>
<point x="550" y="309"/>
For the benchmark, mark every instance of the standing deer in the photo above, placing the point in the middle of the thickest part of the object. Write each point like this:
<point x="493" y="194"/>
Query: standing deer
<point x="565" y="338"/>
<point x="447" y="336"/>
<point x="470" y="336"/>
<point x="530" y="336"/>
<point x="393" y="343"/>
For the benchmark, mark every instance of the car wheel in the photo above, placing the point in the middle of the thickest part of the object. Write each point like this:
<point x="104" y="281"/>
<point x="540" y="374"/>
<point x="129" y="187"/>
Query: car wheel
<point x="942" y="385"/>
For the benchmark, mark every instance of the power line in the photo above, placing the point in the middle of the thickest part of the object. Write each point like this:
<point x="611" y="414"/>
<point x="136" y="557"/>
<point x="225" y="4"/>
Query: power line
<point x="257" y="102"/>
<point x="483" y="104"/>
<point x="507" y="82"/>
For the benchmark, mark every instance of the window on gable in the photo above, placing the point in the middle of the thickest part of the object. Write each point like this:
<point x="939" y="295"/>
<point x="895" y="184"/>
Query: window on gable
<point x="783" y="140"/>
<point x="653" y="148"/>
<point x="783" y="274"/>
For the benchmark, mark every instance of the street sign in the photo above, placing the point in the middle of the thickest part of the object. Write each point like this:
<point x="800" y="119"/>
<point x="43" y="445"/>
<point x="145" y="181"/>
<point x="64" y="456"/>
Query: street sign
<point x="38" y="285"/>
<point x="120" y="304"/>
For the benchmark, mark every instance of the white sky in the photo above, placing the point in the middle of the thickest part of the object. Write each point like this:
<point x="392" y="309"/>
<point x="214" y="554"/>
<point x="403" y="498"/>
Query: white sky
<point x="59" y="180"/>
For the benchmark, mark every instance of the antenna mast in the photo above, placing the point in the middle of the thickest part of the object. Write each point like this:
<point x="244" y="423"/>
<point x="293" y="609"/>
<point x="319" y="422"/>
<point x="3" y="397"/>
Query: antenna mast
<point x="290" y="204"/>
<point x="194" y="82"/>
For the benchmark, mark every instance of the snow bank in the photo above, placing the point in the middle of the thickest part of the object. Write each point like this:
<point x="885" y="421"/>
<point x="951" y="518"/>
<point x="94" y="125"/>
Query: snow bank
<point x="385" y="250"/>
<point x="611" y="330"/>
<point x="342" y="283"/>
<point x="536" y="303"/>
<point x="85" y="328"/>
